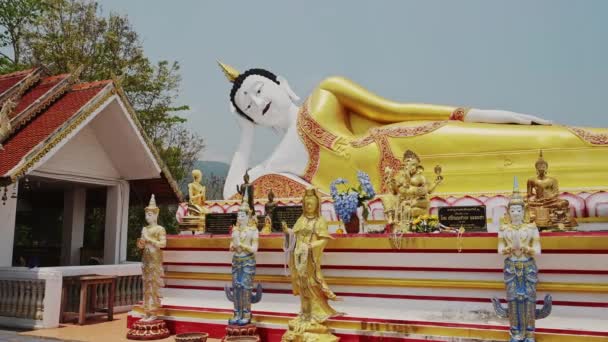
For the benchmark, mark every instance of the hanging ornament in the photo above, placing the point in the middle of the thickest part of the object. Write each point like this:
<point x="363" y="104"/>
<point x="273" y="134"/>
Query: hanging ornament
<point x="26" y="185"/>
<point x="4" y="196"/>
<point x="14" y="195"/>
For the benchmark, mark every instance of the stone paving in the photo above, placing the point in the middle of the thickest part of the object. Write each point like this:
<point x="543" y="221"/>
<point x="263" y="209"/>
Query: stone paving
<point x="13" y="336"/>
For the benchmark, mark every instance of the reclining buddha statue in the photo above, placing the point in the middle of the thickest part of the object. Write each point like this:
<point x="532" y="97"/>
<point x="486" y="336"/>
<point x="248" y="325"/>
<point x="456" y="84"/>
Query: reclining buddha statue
<point x="342" y="128"/>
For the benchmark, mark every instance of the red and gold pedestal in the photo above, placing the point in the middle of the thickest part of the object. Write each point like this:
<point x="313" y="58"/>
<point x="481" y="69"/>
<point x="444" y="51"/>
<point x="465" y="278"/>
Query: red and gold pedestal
<point x="152" y="330"/>
<point x="243" y="333"/>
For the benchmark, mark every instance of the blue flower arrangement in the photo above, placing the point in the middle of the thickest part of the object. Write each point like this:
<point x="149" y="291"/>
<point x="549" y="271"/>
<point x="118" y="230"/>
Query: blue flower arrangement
<point x="347" y="199"/>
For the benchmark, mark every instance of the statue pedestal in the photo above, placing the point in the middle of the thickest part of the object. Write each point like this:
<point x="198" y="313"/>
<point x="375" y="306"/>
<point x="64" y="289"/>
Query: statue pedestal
<point x="247" y="332"/>
<point x="152" y="330"/>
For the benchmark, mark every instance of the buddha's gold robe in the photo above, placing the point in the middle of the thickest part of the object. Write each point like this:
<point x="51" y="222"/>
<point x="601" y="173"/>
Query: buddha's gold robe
<point x="346" y="128"/>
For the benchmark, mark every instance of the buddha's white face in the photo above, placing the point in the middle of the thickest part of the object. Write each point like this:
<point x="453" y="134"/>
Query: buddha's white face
<point x="266" y="102"/>
<point x="516" y="212"/>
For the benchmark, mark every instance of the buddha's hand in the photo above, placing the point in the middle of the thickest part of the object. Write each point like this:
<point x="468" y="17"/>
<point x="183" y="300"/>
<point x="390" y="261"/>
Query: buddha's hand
<point x="284" y="226"/>
<point x="340" y="146"/>
<point x="141" y="243"/>
<point x="244" y="124"/>
<point x="501" y="116"/>
<point x="507" y="250"/>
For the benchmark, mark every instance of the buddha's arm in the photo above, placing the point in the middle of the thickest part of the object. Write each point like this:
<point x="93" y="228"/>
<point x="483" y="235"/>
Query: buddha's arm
<point x="365" y="103"/>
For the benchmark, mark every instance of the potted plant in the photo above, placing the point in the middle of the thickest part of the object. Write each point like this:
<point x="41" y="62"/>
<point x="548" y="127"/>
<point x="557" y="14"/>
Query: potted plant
<point x="426" y="224"/>
<point x="347" y="199"/>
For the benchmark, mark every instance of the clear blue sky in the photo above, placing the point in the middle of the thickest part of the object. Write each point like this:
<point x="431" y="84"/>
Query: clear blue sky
<point x="547" y="58"/>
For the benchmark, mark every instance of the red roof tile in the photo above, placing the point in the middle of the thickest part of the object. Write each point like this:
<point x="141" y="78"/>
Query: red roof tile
<point x="9" y="80"/>
<point x="41" y="127"/>
<point x="36" y="92"/>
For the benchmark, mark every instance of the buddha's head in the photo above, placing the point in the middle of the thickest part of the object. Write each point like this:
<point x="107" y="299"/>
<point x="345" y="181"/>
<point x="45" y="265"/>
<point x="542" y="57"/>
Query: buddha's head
<point x="411" y="161"/>
<point x="311" y="203"/>
<point x="151" y="212"/>
<point x="541" y="165"/>
<point x="243" y="215"/>
<point x="260" y="96"/>
<point x="516" y="206"/>
<point x="246" y="176"/>
<point x="270" y="196"/>
<point x="197" y="175"/>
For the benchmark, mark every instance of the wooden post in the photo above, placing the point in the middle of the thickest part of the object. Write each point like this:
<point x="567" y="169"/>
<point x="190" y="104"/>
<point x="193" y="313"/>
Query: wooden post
<point x="82" y="311"/>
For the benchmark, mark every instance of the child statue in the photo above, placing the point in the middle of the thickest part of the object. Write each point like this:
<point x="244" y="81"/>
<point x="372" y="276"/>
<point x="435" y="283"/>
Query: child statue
<point x="311" y="236"/>
<point x="519" y="241"/>
<point x="244" y="244"/>
<point x="153" y="238"/>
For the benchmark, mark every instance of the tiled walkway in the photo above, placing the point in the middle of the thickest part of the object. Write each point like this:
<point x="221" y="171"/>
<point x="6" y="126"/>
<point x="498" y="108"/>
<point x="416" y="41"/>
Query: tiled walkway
<point x="13" y="336"/>
<point x="93" y="331"/>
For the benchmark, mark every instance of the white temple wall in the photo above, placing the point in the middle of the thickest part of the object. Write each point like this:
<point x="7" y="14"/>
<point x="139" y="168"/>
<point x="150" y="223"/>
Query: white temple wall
<point x="8" y="214"/>
<point x="74" y="210"/>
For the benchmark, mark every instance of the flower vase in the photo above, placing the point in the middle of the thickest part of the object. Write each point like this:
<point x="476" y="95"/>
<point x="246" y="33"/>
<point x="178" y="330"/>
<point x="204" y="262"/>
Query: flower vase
<point x="352" y="227"/>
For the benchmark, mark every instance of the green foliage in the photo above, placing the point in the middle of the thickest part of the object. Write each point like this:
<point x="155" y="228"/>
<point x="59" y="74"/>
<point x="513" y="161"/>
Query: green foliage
<point x="16" y="16"/>
<point x="65" y="34"/>
<point x="137" y="221"/>
<point x="62" y="35"/>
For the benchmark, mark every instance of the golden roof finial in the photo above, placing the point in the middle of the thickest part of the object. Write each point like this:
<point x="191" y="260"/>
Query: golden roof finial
<point x="230" y="72"/>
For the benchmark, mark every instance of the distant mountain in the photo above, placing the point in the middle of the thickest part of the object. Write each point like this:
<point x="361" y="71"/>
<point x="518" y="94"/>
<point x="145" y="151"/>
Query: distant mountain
<point x="214" y="176"/>
<point x="216" y="168"/>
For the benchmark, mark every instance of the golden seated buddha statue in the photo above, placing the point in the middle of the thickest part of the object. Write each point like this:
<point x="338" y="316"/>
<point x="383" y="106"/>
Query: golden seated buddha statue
<point x="547" y="210"/>
<point x="195" y="218"/>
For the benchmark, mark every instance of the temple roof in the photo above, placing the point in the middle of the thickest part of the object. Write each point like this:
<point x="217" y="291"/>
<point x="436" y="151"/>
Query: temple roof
<point x="44" y="110"/>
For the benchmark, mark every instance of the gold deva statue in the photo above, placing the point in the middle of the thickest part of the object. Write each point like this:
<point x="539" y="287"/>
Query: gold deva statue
<point x="547" y="210"/>
<point x="311" y="237"/>
<point x="409" y="192"/>
<point x="153" y="238"/>
<point x="343" y="127"/>
<point x="390" y="200"/>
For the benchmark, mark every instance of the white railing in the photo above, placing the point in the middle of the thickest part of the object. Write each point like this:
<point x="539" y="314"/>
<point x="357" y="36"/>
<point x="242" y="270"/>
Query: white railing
<point x="31" y="298"/>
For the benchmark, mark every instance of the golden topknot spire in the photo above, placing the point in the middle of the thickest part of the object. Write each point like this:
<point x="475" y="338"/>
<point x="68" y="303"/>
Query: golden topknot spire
<point x="230" y="72"/>
<point x="540" y="160"/>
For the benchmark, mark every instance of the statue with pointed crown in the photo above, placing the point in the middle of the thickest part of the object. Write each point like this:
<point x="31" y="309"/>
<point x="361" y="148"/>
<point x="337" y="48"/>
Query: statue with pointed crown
<point x="244" y="245"/>
<point x="153" y="239"/>
<point x="519" y="242"/>
<point x="412" y="190"/>
<point x="547" y="210"/>
<point x="342" y="127"/>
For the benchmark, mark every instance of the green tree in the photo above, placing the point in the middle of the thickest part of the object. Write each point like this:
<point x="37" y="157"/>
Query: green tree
<point x="63" y="34"/>
<point x="16" y="16"/>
